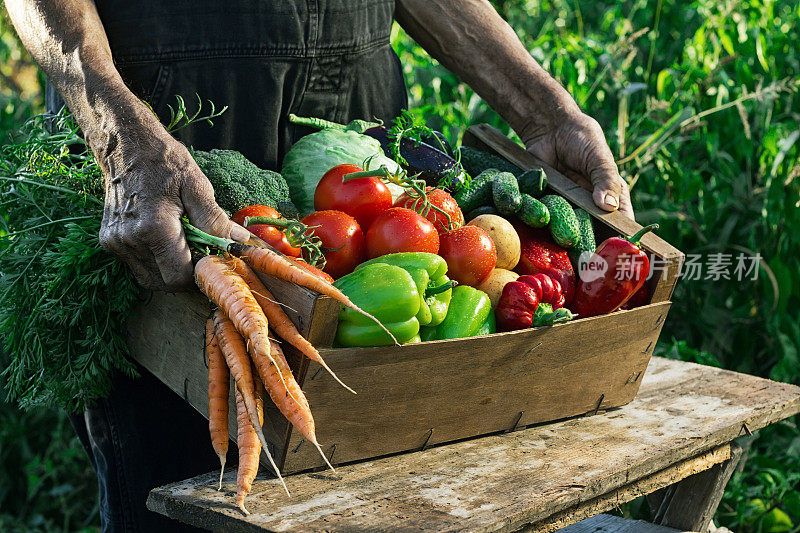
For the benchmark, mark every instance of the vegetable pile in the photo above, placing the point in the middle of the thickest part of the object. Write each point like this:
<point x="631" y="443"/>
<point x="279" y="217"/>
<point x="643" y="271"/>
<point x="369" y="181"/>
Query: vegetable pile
<point x="515" y="253"/>
<point x="384" y="233"/>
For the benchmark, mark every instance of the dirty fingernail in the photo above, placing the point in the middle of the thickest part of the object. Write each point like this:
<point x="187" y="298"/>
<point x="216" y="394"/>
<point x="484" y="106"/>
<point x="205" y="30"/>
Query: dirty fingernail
<point x="612" y="201"/>
<point x="239" y="234"/>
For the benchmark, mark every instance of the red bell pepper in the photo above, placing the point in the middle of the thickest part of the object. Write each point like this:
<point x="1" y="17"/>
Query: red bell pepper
<point x="548" y="289"/>
<point x="622" y="269"/>
<point x="518" y="304"/>
<point x="639" y="298"/>
<point x="541" y="255"/>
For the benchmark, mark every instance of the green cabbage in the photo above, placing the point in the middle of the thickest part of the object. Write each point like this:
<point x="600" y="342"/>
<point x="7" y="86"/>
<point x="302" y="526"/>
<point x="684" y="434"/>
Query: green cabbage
<point x="315" y="154"/>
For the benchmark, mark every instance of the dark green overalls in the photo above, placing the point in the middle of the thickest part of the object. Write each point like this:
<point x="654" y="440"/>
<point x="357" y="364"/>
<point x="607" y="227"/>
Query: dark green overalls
<point x="264" y="60"/>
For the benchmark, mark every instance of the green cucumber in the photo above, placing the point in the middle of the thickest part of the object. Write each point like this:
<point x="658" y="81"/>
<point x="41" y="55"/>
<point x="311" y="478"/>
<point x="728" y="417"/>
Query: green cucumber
<point x="532" y="182"/>
<point x="586" y="243"/>
<point x="533" y="212"/>
<point x="505" y="193"/>
<point x="476" y="161"/>
<point x="483" y="210"/>
<point x="563" y="223"/>
<point x="478" y="192"/>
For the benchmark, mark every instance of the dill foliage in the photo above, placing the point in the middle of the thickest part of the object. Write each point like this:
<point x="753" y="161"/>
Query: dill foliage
<point x="63" y="299"/>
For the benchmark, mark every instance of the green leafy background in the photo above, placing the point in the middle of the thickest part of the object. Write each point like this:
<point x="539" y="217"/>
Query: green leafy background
<point x="699" y="103"/>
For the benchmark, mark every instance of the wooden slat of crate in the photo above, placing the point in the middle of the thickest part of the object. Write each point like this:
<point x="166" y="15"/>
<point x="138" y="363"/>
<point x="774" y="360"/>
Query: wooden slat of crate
<point x="448" y="390"/>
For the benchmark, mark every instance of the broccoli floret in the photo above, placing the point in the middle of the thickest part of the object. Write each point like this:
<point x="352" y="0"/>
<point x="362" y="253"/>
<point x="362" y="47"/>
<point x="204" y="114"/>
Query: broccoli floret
<point x="238" y="183"/>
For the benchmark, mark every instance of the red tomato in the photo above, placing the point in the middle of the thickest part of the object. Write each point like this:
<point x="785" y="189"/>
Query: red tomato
<point x="254" y="211"/>
<point x="443" y="201"/>
<point x="363" y="198"/>
<point x="470" y="254"/>
<point x="275" y="238"/>
<point x="401" y="230"/>
<point x="341" y="233"/>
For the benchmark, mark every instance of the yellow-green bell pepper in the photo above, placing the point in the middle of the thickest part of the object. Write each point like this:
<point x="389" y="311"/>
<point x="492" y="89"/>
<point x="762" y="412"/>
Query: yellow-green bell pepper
<point x="387" y="292"/>
<point x="433" y="286"/>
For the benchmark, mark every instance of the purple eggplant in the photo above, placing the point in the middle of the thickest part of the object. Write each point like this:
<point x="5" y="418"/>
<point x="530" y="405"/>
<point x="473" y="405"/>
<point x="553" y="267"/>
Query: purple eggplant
<point x="429" y="160"/>
<point x="431" y="163"/>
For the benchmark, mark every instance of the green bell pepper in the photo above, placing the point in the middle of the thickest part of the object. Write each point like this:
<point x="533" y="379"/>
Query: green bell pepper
<point x="489" y="325"/>
<point x="429" y="274"/>
<point x="390" y="294"/>
<point x="469" y="313"/>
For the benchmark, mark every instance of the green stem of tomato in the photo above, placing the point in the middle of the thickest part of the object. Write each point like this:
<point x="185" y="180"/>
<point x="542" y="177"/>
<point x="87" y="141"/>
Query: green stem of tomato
<point x="381" y="172"/>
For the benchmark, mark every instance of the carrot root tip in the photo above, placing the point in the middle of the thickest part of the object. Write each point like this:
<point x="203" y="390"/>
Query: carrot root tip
<point x="371" y="317"/>
<point x="324" y="458"/>
<point x="244" y="509"/>
<point x="265" y="448"/>
<point x="221" y="470"/>
<point x="334" y="376"/>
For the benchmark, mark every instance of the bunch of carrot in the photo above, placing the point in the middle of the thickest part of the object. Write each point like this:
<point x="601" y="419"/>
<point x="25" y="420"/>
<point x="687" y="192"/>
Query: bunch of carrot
<point x="238" y="341"/>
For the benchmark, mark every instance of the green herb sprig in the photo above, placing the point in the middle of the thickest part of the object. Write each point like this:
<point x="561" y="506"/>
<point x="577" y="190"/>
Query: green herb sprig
<point x="413" y="128"/>
<point x="64" y="300"/>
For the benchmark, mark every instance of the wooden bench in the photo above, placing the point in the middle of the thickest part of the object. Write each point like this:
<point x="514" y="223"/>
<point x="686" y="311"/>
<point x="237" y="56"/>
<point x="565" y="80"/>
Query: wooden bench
<point x="674" y="442"/>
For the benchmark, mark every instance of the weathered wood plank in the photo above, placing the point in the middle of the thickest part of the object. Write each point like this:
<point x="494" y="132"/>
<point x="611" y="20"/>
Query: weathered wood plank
<point x="505" y="482"/>
<point x="687" y="468"/>
<point x="691" y="504"/>
<point x="604" y="523"/>
<point x="485" y="137"/>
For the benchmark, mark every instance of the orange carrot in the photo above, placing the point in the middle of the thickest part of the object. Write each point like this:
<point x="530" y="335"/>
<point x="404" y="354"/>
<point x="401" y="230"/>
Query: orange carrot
<point x="233" y="348"/>
<point x="297" y="412"/>
<point x="218" y="383"/>
<point x="273" y="263"/>
<point x="230" y="293"/>
<point x="311" y="268"/>
<point x="278" y="320"/>
<point x="248" y="443"/>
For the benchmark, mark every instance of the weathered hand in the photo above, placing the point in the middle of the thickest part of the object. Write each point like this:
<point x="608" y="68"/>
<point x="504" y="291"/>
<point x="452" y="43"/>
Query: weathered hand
<point x="577" y="148"/>
<point x="151" y="181"/>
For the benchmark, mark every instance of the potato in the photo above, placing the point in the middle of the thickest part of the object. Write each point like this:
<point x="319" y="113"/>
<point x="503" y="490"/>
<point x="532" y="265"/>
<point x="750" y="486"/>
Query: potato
<point x="493" y="286"/>
<point x="505" y="238"/>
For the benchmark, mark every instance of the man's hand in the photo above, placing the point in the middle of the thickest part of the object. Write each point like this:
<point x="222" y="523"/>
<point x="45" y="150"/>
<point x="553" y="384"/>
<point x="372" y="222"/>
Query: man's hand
<point x="576" y="147"/>
<point x="472" y="40"/>
<point x="149" y="186"/>
<point x="151" y="180"/>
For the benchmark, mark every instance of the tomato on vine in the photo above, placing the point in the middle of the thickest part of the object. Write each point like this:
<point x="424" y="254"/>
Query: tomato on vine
<point x="363" y="198"/>
<point x="441" y="206"/>
<point x="342" y="240"/>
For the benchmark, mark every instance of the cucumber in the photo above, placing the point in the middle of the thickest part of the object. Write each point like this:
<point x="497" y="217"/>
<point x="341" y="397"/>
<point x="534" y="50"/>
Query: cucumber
<point x="479" y="191"/>
<point x="586" y="243"/>
<point x="563" y="222"/>
<point x="532" y="182"/>
<point x="533" y="212"/>
<point x="476" y="161"/>
<point x="505" y="193"/>
<point x="483" y="210"/>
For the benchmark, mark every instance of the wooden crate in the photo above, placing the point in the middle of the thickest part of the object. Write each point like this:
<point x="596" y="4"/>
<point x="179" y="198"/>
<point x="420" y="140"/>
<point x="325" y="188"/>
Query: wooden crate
<point x="414" y="396"/>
